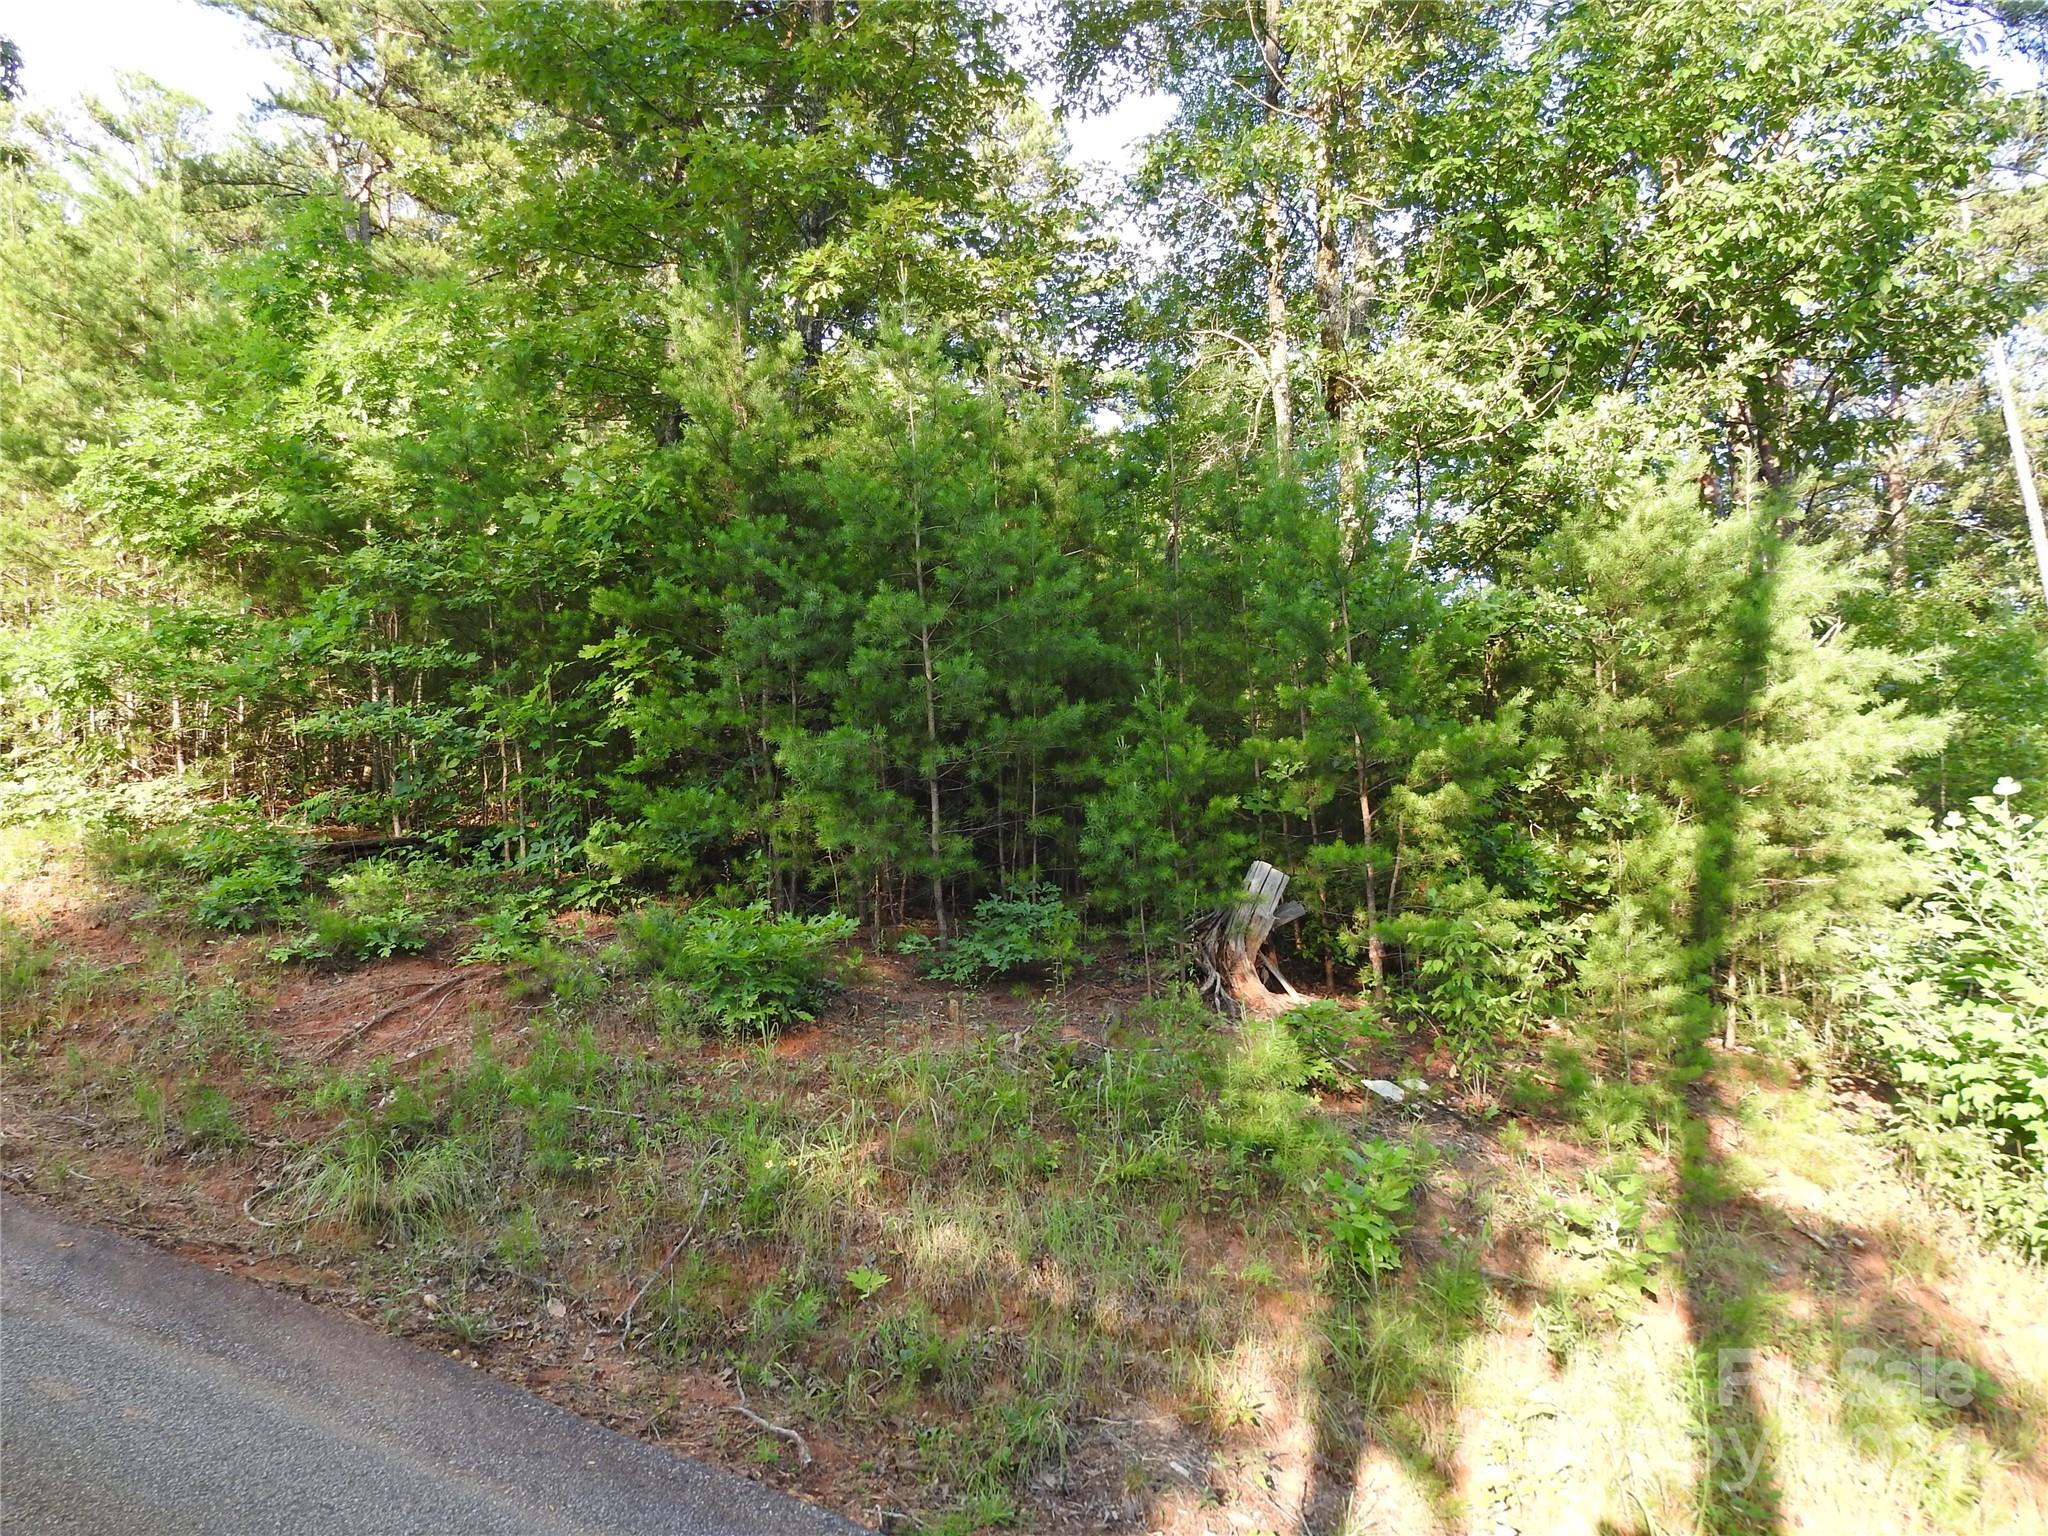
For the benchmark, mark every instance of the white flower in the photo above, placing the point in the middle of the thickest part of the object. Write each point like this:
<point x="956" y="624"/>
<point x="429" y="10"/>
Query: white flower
<point x="2006" y="786"/>
<point x="1952" y="819"/>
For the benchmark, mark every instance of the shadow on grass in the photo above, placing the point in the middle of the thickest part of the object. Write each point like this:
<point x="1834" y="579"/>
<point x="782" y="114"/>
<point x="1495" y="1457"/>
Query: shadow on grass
<point x="1730" y="1317"/>
<point x="1795" y="1329"/>
<point x="1739" y="1486"/>
<point x="1393" y="1360"/>
<point x="1388" y="1349"/>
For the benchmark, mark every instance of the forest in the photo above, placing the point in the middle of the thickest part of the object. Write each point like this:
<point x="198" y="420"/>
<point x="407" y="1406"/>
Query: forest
<point x="715" y="517"/>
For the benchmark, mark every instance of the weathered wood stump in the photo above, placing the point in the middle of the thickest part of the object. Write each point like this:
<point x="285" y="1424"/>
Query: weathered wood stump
<point x="1230" y="947"/>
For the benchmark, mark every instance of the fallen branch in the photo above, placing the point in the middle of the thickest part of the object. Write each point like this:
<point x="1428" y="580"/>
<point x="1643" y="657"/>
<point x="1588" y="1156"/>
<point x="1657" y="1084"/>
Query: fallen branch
<point x="1813" y="1237"/>
<point x="417" y="1052"/>
<point x="355" y="1032"/>
<point x="803" y="1451"/>
<point x="626" y="1317"/>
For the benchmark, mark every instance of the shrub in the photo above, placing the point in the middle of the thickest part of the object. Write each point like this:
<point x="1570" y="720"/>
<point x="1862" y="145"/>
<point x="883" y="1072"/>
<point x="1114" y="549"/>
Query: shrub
<point x="728" y="969"/>
<point x="1026" y="928"/>
<point x="367" y="916"/>
<point x="513" y="930"/>
<point x="1369" y="1203"/>
<point x="1484" y="966"/>
<point x="251" y="871"/>
<point x="259" y="895"/>
<point x="1608" y="1223"/>
<point x="372" y="911"/>
<point x="228" y="866"/>
<point x="1330" y="1037"/>
<point x="1953" y="1007"/>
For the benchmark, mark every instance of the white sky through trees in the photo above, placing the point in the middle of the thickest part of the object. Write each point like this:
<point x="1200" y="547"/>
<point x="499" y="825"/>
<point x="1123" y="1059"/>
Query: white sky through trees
<point x="75" y="48"/>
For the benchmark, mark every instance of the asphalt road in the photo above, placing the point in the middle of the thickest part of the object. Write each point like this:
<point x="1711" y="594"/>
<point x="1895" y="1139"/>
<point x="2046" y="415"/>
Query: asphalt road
<point x="140" y="1393"/>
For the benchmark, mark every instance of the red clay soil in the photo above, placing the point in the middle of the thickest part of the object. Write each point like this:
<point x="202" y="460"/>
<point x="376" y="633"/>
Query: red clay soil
<point x="401" y="1009"/>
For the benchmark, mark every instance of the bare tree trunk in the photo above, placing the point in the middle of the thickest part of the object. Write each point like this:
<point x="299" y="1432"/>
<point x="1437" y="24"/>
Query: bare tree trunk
<point x="1273" y="219"/>
<point x="1896" y="504"/>
<point x="1334" y="310"/>
<point x="931" y="777"/>
<point x="931" y="706"/>
<point x="815" y="222"/>
<point x="1375" y="945"/>
<point x="1763" y="414"/>
<point x="1333" y="305"/>
<point x="2022" y="461"/>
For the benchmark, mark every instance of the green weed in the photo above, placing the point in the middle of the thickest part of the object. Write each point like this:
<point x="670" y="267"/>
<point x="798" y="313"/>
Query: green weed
<point x="1370" y="1197"/>
<point x="518" y="1245"/>
<point x="732" y="970"/>
<point x="208" y="1120"/>
<point x="1332" y="1040"/>
<point x="152" y="1109"/>
<point x="866" y="1281"/>
<point x="364" y="1178"/>
<point x="1607" y="1224"/>
<point x="473" y="1327"/>
<point x="211" y="1023"/>
<point x="372" y="911"/>
<point x="1027" y="928"/>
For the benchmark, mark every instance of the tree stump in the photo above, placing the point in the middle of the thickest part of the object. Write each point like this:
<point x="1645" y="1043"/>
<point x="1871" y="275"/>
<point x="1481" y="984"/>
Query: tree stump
<point x="1230" y="948"/>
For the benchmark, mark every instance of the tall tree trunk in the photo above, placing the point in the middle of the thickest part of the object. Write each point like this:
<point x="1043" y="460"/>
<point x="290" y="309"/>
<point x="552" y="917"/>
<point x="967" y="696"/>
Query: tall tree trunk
<point x="931" y="704"/>
<point x="1334" y="312"/>
<point x="1375" y="946"/>
<point x="2022" y="461"/>
<point x="1896" y="504"/>
<point x="931" y="775"/>
<point x="816" y="220"/>
<point x="1272" y="216"/>
<point x="1763" y="414"/>
<point x="1333" y="303"/>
